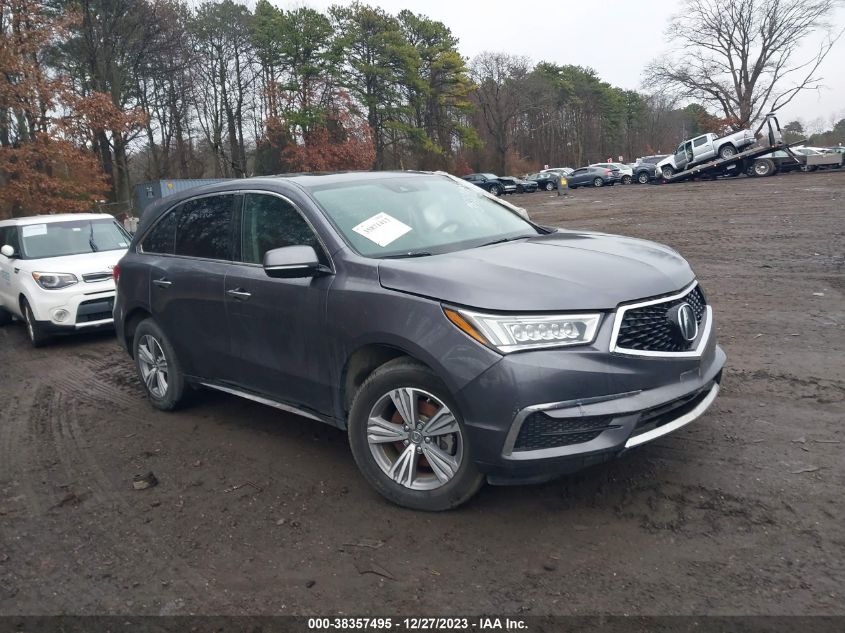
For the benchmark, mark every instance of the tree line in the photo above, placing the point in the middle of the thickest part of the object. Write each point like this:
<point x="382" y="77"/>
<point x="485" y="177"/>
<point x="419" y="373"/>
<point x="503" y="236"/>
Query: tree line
<point x="97" y="95"/>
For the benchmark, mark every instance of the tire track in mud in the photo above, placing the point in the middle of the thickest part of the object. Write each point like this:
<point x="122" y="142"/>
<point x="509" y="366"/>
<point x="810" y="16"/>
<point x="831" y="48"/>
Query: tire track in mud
<point x="120" y="541"/>
<point x="19" y="462"/>
<point x="102" y="384"/>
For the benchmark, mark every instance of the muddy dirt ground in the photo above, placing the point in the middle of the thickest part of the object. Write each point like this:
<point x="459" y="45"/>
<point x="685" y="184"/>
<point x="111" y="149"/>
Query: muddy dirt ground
<point x="261" y="512"/>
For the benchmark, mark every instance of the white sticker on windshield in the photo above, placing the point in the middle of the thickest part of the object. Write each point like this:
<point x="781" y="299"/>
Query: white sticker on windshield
<point x="382" y="229"/>
<point x="34" y="229"/>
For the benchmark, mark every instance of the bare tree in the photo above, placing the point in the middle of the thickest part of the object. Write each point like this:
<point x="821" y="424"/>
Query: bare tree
<point x="501" y="98"/>
<point x="742" y="56"/>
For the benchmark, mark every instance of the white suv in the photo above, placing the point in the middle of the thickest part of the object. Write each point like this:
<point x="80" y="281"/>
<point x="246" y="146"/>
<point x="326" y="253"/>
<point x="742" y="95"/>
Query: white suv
<point x="56" y="272"/>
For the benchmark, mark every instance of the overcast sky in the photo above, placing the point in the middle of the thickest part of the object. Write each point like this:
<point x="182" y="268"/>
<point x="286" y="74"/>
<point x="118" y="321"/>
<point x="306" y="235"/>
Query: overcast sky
<point x="615" y="38"/>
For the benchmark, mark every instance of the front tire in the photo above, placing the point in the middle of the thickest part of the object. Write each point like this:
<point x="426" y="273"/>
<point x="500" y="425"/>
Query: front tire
<point x="494" y="190"/>
<point x="549" y="186"/>
<point x="409" y="440"/>
<point x="37" y="336"/>
<point x="5" y="317"/>
<point x="626" y="180"/>
<point x="598" y="182"/>
<point x="667" y="172"/>
<point x="157" y="365"/>
<point x="642" y="178"/>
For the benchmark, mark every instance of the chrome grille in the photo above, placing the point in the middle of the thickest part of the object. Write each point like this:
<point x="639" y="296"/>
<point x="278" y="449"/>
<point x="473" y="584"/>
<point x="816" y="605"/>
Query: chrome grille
<point x="647" y="328"/>
<point x="99" y="276"/>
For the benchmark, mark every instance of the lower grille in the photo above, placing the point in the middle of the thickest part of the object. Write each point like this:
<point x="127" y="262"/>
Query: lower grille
<point x="647" y="328"/>
<point x="670" y="411"/>
<point x="542" y="431"/>
<point x="95" y="310"/>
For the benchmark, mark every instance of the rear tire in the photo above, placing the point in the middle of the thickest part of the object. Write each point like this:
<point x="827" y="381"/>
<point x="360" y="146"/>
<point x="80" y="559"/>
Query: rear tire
<point x="763" y="167"/>
<point x="642" y="178"/>
<point x="598" y="182"/>
<point x="158" y="368"/>
<point x="389" y="447"/>
<point x="726" y="151"/>
<point x="34" y="331"/>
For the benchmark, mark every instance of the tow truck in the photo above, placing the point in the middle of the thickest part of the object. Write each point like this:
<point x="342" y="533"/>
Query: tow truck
<point x="741" y="162"/>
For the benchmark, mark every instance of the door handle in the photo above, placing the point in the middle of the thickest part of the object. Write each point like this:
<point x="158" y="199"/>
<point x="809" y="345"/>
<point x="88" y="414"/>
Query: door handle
<point x="162" y="283"/>
<point x="239" y="293"/>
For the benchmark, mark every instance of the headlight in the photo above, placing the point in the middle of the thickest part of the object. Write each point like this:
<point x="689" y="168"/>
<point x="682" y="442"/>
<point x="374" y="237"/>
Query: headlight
<point x="54" y="281"/>
<point x="510" y="333"/>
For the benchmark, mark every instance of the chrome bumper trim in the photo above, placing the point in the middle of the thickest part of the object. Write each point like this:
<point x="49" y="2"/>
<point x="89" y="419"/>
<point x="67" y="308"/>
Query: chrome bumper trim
<point x="675" y="424"/>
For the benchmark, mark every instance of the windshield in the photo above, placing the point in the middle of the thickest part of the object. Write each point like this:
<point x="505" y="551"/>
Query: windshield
<point x="419" y="214"/>
<point x="74" y="237"/>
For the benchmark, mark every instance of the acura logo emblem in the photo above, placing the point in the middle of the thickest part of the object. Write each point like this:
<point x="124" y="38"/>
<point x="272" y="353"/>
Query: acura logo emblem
<point x="683" y="318"/>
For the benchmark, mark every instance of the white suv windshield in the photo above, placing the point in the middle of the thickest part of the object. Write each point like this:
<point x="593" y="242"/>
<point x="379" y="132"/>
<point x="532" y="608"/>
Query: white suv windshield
<point x="416" y="215"/>
<point x="73" y="237"/>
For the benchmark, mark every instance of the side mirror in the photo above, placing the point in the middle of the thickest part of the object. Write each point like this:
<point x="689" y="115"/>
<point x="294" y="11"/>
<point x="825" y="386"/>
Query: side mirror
<point x="8" y="251"/>
<point x="291" y="262"/>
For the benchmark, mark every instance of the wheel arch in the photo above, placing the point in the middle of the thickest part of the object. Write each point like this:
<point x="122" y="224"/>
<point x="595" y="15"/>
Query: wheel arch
<point x="361" y="363"/>
<point x="130" y="324"/>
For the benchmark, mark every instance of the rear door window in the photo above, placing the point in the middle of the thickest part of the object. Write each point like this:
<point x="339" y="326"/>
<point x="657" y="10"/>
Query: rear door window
<point x="204" y="227"/>
<point x="162" y="237"/>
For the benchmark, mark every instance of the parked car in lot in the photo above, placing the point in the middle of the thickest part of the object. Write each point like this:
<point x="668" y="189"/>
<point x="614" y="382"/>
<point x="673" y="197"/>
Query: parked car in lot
<point x="56" y="272"/>
<point x="545" y="180"/>
<point x="626" y="174"/>
<point x="563" y="171"/>
<point x="593" y="177"/>
<point x="703" y="148"/>
<point x="491" y="183"/>
<point x="644" y="172"/>
<point x="652" y="159"/>
<point x="522" y="186"/>
<point x="451" y="338"/>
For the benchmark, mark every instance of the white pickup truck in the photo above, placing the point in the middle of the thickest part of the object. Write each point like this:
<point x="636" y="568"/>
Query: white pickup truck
<point x="703" y="148"/>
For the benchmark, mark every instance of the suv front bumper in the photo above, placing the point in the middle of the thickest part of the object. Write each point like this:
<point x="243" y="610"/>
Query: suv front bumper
<point x="588" y="406"/>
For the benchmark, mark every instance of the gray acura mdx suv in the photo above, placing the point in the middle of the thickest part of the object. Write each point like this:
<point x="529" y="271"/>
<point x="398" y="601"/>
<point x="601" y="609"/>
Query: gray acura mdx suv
<point x="453" y="339"/>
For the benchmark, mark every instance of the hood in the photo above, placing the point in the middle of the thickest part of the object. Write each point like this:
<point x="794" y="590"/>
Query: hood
<point x="76" y="264"/>
<point x="566" y="270"/>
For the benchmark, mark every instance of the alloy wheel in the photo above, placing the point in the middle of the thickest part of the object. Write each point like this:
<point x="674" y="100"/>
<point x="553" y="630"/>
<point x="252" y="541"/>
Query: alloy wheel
<point x="153" y="365"/>
<point x="415" y="439"/>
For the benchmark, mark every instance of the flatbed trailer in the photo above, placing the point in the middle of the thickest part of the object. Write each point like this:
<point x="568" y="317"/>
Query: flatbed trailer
<point x="732" y="166"/>
<point x="738" y="163"/>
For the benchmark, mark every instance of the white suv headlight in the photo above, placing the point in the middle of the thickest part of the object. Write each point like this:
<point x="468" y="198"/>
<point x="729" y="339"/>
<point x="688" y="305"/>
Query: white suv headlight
<point x="511" y="333"/>
<point x="54" y="281"/>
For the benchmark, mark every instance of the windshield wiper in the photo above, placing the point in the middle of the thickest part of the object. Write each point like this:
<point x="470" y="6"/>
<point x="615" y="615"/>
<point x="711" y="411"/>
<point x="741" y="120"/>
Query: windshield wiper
<point x="91" y="241"/>
<point x="508" y="239"/>
<point x="407" y="255"/>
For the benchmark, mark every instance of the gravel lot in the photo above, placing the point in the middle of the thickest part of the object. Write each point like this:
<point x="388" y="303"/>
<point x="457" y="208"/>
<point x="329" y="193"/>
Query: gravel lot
<point x="261" y="512"/>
